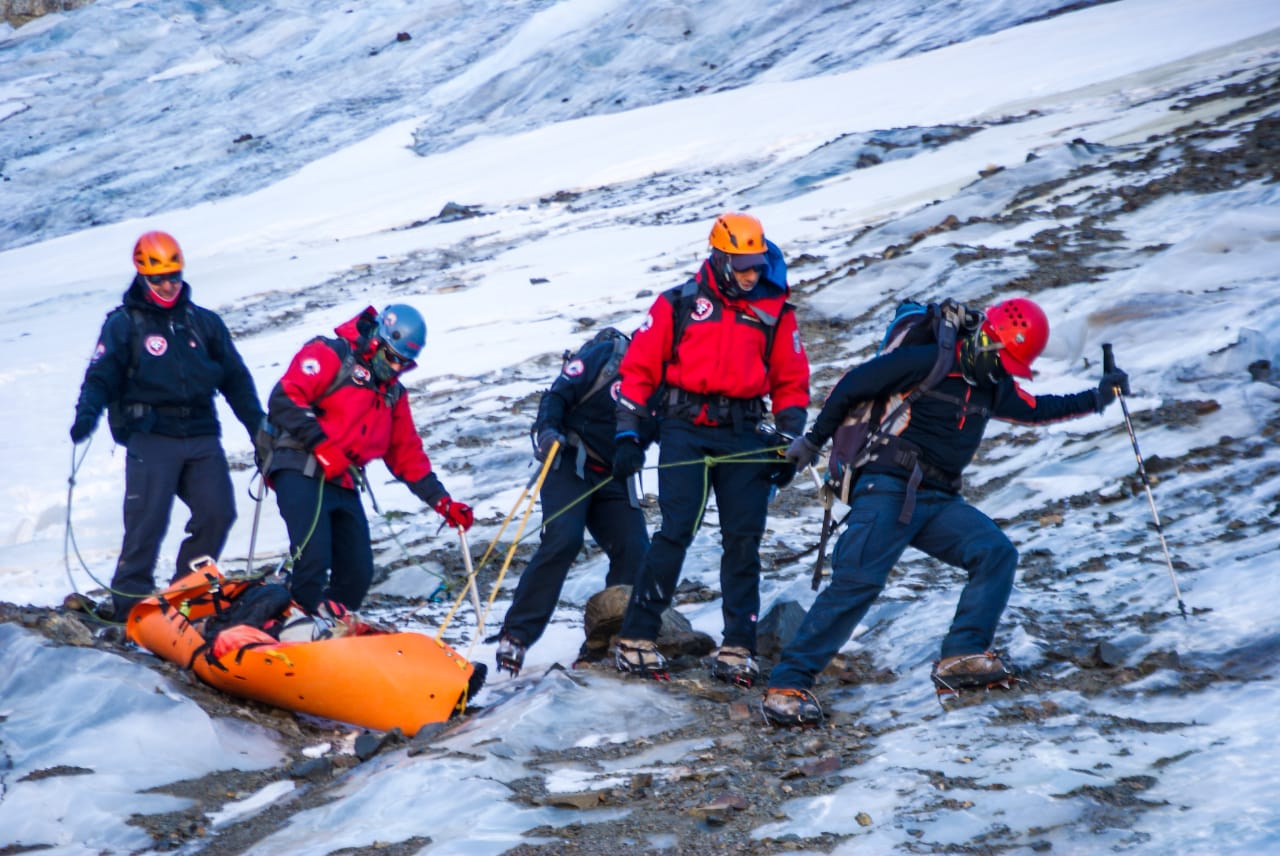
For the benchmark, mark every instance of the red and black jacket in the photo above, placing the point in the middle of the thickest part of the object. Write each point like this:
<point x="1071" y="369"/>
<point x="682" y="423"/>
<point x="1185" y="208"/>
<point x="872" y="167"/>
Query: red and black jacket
<point x="358" y="417"/>
<point x="726" y="351"/>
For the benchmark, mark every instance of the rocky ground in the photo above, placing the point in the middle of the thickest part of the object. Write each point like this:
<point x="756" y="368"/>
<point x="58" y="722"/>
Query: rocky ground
<point x="714" y="807"/>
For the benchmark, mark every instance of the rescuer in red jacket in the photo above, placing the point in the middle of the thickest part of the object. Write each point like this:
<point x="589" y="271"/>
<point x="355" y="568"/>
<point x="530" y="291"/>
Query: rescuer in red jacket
<point x="721" y="344"/>
<point x="339" y="405"/>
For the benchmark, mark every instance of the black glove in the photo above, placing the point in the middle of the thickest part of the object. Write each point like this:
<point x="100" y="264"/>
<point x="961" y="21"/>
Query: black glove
<point x="803" y="452"/>
<point x="263" y="443"/>
<point x="546" y="437"/>
<point x="790" y="421"/>
<point x="781" y="473"/>
<point x="1107" y="387"/>
<point x="82" y="428"/>
<point x="629" y="459"/>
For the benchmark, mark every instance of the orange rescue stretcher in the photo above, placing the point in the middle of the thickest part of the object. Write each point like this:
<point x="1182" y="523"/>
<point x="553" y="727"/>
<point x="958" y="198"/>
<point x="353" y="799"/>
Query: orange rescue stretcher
<point x="375" y="679"/>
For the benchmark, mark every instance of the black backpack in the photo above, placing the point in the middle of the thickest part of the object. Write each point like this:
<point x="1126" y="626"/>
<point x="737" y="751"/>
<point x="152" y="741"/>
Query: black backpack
<point x="604" y="377"/>
<point x="609" y="370"/>
<point x="121" y="417"/>
<point x="872" y="426"/>
<point x="682" y="309"/>
<point x="258" y="605"/>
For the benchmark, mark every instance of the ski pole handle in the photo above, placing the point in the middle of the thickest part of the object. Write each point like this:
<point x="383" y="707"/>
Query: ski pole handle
<point x="1108" y="358"/>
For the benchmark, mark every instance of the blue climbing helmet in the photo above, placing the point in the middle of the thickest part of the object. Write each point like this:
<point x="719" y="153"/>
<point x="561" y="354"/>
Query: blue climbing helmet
<point x="402" y="330"/>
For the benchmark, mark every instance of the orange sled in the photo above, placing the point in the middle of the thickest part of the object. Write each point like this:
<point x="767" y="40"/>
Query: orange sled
<point x="377" y="680"/>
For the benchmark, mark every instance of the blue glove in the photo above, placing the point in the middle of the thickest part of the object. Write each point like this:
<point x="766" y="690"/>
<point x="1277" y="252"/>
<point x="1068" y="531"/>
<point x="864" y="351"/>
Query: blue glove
<point x="1107" y="387"/>
<point x="629" y="458"/>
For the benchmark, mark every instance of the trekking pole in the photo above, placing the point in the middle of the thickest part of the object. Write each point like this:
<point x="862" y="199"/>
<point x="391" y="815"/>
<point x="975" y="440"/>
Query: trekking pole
<point x="546" y="465"/>
<point x="817" y="479"/>
<point x="1108" y="366"/>
<point x="472" y="585"/>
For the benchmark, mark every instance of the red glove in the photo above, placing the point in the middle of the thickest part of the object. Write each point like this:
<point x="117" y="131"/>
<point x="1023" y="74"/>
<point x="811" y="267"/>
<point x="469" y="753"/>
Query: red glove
<point x="455" y="513"/>
<point x="332" y="459"/>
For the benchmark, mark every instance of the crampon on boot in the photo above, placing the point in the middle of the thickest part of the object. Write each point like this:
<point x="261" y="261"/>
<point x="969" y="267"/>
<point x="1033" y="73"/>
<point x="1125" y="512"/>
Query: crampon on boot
<point x="734" y="665"/>
<point x="510" y="655"/>
<point x="641" y="657"/>
<point x="790" y="707"/>
<point x="970" y="671"/>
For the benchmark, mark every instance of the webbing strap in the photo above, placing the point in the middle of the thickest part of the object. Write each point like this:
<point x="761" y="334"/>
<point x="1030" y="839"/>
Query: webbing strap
<point x="909" y="501"/>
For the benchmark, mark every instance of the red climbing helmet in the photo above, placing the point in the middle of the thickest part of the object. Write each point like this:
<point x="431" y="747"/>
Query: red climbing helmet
<point x="1022" y="329"/>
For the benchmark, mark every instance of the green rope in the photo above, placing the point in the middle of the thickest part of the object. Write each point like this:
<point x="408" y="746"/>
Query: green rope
<point x="363" y="481"/>
<point x="707" y="462"/>
<point x="69" y="544"/>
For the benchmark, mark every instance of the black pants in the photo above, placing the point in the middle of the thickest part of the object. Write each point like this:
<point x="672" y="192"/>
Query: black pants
<point x="607" y="514"/>
<point x="742" y="497"/>
<point x="337" y="559"/>
<point x="157" y="469"/>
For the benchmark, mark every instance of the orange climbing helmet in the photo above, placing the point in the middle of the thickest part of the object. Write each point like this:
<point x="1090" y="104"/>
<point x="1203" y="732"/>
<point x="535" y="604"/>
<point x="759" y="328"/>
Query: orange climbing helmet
<point x="737" y="244"/>
<point x="739" y="235"/>
<point x="157" y="252"/>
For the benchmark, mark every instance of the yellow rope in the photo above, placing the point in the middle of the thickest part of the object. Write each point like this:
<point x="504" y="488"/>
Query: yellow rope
<point x="533" y="498"/>
<point x="471" y="576"/>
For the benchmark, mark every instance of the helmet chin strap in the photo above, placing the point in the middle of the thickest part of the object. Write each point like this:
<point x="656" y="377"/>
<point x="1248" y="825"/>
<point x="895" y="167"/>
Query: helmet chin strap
<point x="722" y="264"/>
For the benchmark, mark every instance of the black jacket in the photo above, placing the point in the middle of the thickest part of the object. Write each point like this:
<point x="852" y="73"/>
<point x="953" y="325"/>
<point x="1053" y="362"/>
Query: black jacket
<point x="164" y="374"/>
<point x="947" y="427"/>
<point x="591" y="423"/>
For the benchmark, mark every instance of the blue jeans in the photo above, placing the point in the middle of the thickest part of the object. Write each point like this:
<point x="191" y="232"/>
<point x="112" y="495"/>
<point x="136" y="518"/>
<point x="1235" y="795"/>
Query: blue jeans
<point x="943" y="526"/>
<point x="607" y="514"/>
<point x="742" y="497"/>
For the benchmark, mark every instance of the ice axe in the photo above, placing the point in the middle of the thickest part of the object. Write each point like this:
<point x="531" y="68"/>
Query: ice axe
<point x="257" y="515"/>
<point x="1108" y="366"/>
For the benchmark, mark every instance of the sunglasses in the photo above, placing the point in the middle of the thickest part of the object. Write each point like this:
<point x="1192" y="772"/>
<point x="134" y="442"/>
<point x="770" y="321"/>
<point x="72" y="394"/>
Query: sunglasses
<point x="162" y="278"/>
<point x="393" y="359"/>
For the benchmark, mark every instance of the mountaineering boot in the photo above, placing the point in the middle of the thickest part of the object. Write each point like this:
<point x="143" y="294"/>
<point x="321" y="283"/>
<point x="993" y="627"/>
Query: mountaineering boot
<point x="510" y="654"/>
<point x="970" y="671"/>
<point x="338" y="620"/>
<point x="790" y="707"/>
<point x="330" y="621"/>
<point x="640" y="657"/>
<point x="734" y="665"/>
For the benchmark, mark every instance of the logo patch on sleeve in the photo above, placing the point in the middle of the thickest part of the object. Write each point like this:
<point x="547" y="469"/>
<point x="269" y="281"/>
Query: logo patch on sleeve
<point x="310" y="366"/>
<point x="156" y="345"/>
<point x="574" y="369"/>
<point x="98" y="352"/>
<point x="701" y="309"/>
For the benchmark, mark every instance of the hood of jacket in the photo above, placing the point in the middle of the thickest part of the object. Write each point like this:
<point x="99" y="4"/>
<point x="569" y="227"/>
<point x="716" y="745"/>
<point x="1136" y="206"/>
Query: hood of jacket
<point x="358" y="329"/>
<point x="770" y="292"/>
